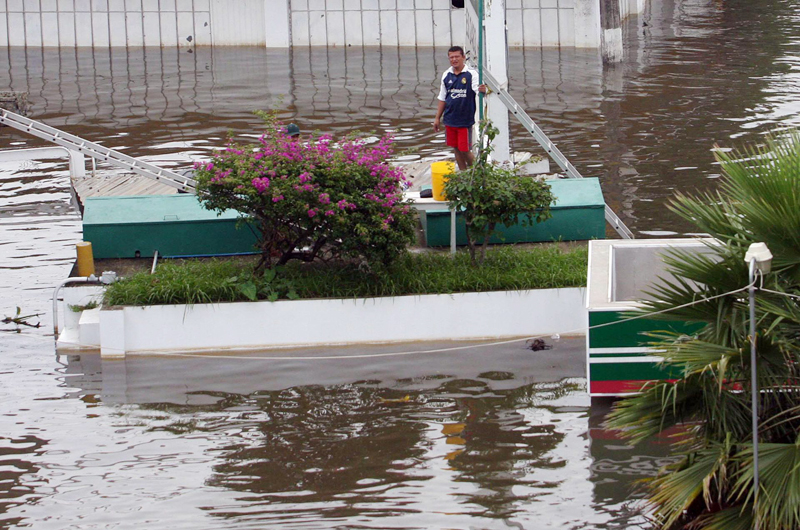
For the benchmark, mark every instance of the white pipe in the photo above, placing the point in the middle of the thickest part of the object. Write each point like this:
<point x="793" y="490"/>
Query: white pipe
<point x="77" y="163"/>
<point x="58" y="288"/>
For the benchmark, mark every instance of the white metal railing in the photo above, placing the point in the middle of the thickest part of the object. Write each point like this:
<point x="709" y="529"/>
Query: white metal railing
<point x="98" y="152"/>
<point x="539" y="135"/>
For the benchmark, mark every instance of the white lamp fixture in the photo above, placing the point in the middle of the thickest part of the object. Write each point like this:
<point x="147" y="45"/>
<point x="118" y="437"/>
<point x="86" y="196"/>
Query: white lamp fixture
<point x="762" y="255"/>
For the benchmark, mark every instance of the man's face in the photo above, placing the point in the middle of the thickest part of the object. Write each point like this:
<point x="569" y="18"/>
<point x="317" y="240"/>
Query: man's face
<point x="456" y="60"/>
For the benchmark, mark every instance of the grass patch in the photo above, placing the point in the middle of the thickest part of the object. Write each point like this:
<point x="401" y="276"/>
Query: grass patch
<point x="231" y="280"/>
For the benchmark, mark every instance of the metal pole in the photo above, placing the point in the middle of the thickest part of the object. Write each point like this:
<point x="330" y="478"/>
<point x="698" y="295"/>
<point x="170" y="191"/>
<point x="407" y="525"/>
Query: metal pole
<point x="480" y="60"/>
<point x="452" y="231"/>
<point x="754" y="388"/>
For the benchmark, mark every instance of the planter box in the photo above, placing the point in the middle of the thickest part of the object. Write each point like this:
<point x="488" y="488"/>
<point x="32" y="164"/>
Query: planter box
<point x="618" y="359"/>
<point x="252" y="325"/>
<point x="578" y="214"/>
<point x="174" y="225"/>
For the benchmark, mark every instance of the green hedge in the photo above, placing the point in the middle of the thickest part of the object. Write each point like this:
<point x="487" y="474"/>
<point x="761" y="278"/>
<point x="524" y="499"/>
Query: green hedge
<point x="231" y="280"/>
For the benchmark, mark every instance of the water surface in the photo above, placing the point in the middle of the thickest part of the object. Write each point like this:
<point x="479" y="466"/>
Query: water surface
<point x="492" y="437"/>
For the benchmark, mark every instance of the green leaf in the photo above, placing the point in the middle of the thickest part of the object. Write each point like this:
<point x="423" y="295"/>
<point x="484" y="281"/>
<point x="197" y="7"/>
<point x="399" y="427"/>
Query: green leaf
<point x="249" y="289"/>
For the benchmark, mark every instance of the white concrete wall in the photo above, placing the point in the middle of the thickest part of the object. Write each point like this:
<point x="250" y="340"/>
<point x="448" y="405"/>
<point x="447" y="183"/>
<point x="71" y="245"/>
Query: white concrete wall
<point x="327" y="322"/>
<point x="374" y="22"/>
<point x="541" y="23"/>
<point x="629" y="8"/>
<point x="102" y="23"/>
<point x="279" y="23"/>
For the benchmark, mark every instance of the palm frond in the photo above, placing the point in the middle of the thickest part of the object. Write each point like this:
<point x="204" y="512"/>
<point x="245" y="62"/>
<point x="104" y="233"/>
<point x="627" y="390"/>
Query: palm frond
<point x="779" y="484"/>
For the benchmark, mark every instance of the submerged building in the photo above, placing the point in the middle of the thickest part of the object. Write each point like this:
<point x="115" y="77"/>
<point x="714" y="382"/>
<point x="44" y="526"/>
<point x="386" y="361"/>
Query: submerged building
<point x="286" y="23"/>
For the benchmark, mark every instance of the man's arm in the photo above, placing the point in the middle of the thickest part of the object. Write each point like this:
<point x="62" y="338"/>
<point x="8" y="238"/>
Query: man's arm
<point x="475" y="86"/>
<point x="442" y="97"/>
<point x="439" y="112"/>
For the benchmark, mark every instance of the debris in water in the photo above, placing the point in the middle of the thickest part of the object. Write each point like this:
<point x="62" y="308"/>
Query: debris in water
<point x="20" y="320"/>
<point x="388" y="401"/>
<point x="539" y="345"/>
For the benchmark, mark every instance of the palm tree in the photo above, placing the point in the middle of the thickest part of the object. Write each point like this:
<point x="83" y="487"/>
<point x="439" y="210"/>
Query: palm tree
<point x="711" y="487"/>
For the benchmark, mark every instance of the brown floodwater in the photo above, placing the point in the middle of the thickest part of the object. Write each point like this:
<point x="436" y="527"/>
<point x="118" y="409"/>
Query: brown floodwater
<point x="490" y="437"/>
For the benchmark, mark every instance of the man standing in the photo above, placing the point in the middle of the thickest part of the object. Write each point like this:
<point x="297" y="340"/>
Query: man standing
<point x="457" y="106"/>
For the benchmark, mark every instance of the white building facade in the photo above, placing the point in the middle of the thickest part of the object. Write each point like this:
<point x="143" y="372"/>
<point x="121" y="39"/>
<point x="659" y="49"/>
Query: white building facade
<point x="285" y="23"/>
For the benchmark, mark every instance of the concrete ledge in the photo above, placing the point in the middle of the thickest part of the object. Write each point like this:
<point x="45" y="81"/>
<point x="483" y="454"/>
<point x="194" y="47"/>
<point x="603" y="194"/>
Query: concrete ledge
<point x="89" y="326"/>
<point x="212" y="327"/>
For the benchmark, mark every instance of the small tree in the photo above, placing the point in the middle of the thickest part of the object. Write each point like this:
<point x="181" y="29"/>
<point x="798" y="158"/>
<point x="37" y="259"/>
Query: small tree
<point x="491" y="195"/>
<point x="711" y="487"/>
<point x="312" y="198"/>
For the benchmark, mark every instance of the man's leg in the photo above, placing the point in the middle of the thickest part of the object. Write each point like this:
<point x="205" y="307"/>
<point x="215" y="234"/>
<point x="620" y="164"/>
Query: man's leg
<point x="461" y="160"/>
<point x="459" y="140"/>
<point x="470" y="157"/>
<point x="464" y="159"/>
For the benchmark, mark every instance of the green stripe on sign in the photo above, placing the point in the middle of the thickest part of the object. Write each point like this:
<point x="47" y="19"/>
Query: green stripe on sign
<point x="631" y="372"/>
<point x="604" y="355"/>
<point x="630" y="334"/>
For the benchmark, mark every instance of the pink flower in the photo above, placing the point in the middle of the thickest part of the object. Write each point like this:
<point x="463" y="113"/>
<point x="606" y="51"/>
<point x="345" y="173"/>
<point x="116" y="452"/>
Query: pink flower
<point x="261" y="184"/>
<point x="312" y="212"/>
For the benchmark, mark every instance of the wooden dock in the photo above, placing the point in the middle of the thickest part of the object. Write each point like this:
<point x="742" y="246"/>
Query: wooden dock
<point x="115" y="184"/>
<point x="419" y="173"/>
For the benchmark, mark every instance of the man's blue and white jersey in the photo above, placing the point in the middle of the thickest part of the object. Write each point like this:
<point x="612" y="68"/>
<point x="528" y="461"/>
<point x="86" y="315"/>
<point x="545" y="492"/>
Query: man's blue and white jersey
<point x="458" y="92"/>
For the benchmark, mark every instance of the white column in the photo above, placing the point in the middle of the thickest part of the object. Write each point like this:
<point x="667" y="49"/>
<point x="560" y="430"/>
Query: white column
<point x="587" y="23"/>
<point x="277" y="21"/>
<point x="496" y="48"/>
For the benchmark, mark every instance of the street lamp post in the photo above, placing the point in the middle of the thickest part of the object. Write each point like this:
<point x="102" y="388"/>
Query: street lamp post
<point x="758" y="258"/>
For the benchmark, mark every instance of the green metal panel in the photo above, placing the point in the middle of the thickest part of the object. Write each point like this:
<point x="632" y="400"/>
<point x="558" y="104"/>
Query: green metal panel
<point x="644" y="371"/>
<point x="630" y="334"/>
<point x="175" y="225"/>
<point x="578" y="214"/>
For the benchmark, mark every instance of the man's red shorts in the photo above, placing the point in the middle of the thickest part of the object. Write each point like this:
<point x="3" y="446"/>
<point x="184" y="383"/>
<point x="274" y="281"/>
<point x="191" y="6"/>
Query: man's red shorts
<point x="458" y="137"/>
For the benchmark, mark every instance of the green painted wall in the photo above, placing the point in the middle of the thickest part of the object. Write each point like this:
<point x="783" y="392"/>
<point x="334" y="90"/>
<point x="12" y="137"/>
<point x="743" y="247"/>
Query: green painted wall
<point x="175" y="225"/>
<point x="646" y="371"/>
<point x="630" y="334"/>
<point x="578" y="214"/>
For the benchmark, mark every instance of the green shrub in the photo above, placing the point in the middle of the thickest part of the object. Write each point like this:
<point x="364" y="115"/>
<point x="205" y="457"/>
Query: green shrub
<point x="491" y="195"/>
<point x="312" y="198"/>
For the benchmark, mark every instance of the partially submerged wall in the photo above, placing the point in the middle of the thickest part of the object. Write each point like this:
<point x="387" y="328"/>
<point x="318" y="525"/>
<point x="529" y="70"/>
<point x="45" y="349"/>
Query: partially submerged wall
<point x="458" y="316"/>
<point x="281" y="23"/>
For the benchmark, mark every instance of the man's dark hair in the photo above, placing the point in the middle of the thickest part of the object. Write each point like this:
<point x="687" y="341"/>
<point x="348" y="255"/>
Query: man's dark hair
<point x="456" y="49"/>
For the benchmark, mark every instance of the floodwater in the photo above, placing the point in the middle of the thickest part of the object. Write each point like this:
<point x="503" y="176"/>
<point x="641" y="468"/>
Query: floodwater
<point x="489" y="437"/>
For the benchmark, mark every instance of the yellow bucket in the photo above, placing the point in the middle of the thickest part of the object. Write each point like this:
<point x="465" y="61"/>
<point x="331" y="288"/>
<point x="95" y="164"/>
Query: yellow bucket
<point x="438" y="172"/>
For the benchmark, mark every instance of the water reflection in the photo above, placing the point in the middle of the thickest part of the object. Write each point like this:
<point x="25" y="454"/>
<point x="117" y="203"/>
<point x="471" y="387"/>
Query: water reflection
<point x="433" y="445"/>
<point x="488" y="446"/>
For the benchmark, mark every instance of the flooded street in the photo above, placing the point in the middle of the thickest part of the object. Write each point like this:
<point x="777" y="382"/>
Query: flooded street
<point x="487" y="437"/>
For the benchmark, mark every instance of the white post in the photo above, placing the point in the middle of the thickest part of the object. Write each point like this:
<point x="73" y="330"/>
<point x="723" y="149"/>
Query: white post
<point x="277" y="23"/>
<point x="77" y="164"/>
<point x="496" y="46"/>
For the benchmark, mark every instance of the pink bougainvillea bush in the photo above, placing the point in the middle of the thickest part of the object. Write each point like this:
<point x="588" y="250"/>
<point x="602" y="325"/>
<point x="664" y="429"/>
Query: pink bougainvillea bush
<point x="313" y="198"/>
